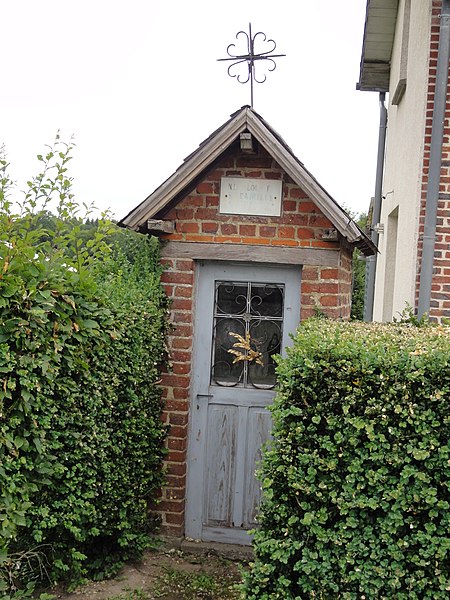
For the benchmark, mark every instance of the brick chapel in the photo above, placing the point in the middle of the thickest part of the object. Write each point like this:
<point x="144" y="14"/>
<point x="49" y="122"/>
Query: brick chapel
<point x="252" y="245"/>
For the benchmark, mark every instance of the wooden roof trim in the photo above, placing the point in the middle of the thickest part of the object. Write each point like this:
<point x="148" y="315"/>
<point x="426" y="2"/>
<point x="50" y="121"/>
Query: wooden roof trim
<point x="193" y="166"/>
<point x="305" y="180"/>
<point x="197" y="162"/>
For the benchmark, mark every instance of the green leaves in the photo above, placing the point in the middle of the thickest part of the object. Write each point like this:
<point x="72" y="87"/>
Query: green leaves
<point x="356" y="484"/>
<point x="82" y="335"/>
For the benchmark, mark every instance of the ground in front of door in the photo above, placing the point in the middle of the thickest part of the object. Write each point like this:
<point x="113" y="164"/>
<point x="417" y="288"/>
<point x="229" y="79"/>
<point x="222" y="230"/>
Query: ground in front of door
<point x="170" y="575"/>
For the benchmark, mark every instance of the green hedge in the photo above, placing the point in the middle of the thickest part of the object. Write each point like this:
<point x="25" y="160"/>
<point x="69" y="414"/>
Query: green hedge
<point x="82" y="339"/>
<point x="356" y="482"/>
<point x="82" y="438"/>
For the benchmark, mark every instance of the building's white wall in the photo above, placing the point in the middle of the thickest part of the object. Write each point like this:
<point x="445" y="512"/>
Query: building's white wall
<point x="403" y="166"/>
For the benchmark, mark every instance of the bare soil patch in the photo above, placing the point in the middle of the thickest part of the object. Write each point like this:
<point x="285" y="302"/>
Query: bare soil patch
<point x="167" y="574"/>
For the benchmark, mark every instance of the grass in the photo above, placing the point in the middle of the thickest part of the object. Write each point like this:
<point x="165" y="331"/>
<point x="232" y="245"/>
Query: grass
<point x="179" y="584"/>
<point x="137" y="594"/>
<point x="189" y="586"/>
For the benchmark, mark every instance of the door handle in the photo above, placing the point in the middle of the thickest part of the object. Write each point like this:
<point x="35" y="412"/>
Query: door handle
<point x="202" y="397"/>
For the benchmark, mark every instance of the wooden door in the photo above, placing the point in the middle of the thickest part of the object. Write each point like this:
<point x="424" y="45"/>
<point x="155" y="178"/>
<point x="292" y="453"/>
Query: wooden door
<point x="244" y="315"/>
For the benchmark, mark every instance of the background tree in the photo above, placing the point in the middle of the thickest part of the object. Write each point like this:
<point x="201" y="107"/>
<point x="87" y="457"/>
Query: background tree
<point x="82" y="339"/>
<point x="359" y="274"/>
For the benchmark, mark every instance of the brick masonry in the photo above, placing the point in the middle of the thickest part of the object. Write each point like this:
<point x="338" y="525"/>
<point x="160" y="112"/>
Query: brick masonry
<point x="197" y="219"/>
<point x="440" y="291"/>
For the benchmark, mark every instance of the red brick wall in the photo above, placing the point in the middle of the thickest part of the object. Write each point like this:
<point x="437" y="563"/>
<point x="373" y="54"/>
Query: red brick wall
<point x="197" y="219"/>
<point x="178" y="282"/>
<point x="440" y="291"/>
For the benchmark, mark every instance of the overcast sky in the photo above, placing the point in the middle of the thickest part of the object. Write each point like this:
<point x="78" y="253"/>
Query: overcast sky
<point x="138" y="85"/>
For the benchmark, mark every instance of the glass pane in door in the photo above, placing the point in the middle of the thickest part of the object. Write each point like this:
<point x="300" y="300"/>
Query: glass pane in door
<point x="247" y="333"/>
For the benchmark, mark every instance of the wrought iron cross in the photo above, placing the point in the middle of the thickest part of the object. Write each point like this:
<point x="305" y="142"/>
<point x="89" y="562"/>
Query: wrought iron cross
<point x="251" y="58"/>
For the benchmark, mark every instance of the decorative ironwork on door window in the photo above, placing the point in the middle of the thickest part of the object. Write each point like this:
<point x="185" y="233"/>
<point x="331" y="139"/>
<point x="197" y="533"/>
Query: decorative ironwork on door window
<point x="248" y="330"/>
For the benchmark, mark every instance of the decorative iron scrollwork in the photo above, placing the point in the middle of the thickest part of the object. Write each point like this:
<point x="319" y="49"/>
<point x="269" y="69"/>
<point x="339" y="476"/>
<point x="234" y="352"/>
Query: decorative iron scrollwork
<point x="251" y="58"/>
<point x="248" y="330"/>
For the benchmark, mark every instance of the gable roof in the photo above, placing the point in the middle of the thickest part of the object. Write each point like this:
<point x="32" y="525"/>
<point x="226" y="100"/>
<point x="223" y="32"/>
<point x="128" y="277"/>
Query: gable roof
<point x="379" y="31"/>
<point x="247" y="120"/>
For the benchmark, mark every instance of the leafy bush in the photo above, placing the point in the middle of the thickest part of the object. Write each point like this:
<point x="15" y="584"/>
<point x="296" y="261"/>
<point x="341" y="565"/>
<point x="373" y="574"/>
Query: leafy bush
<point x="359" y="273"/>
<point x="82" y="337"/>
<point x="356" y="482"/>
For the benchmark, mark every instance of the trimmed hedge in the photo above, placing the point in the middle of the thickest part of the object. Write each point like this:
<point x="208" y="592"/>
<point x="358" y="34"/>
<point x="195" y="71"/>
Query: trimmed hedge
<point x="82" y="440"/>
<point x="82" y="339"/>
<point x="356" y="482"/>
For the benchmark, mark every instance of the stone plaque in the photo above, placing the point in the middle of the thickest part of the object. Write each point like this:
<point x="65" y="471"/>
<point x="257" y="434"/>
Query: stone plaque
<point x="244" y="196"/>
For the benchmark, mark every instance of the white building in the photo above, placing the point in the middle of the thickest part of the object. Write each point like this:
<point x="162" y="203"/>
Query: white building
<point x="405" y="51"/>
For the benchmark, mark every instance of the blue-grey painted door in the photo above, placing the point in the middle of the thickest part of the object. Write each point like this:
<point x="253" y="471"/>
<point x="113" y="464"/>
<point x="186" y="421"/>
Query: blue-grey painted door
<point x="244" y="314"/>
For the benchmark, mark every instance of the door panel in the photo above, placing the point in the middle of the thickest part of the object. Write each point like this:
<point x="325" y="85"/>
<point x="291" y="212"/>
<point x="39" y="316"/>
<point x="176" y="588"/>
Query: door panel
<point x="220" y="464"/>
<point x="259" y="425"/>
<point x="244" y="315"/>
